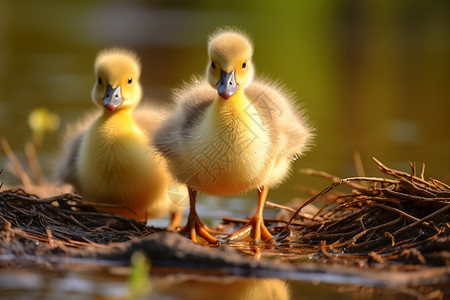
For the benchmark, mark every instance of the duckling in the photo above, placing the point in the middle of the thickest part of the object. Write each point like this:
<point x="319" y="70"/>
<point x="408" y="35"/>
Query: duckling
<point x="107" y="157"/>
<point x="230" y="134"/>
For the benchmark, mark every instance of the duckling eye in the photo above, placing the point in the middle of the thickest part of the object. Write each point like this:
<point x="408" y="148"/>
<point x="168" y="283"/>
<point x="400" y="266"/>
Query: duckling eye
<point x="130" y="80"/>
<point x="99" y="80"/>
<point x="213" y="65"/>
<point x="244" y="65"/>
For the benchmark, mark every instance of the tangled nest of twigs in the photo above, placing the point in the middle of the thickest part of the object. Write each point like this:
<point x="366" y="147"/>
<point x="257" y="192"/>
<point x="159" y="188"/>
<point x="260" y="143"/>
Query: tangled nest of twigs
<point x="406" y="219"/>
<point x="59" y="221"/>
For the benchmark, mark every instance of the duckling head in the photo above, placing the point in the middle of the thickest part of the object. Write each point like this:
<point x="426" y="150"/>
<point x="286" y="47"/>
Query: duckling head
<point x="230" y="66"/>
<point x="117" y="85"/>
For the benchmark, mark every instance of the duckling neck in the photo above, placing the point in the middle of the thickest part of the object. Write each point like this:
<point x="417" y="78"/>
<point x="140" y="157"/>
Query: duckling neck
<point x="236" y="121"/>
<point x="235" y="111"/>
<point x="122" y="113"/>
<point x="117" y="123"/>
<point x="229" y="109"/>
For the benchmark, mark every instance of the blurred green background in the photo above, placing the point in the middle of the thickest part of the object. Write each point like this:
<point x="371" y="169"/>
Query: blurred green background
<point x="373" y="76"/>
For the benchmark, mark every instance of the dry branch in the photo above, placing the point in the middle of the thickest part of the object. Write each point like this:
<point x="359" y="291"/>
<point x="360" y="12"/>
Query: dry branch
<point x="400" y="215"/>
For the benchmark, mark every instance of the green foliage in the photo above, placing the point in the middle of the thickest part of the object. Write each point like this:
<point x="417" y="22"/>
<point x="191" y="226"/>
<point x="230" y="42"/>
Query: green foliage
<point x="139" y="283"/>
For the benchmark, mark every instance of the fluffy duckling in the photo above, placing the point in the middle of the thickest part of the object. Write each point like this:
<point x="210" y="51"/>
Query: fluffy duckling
<point x="107" y="157"/>
<point x="231" y="134"/>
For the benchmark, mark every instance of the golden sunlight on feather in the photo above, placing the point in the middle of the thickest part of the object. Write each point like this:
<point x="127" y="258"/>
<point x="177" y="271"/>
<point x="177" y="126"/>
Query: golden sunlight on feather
<point x="107" y="157"/>
<point x="231" y="134"/>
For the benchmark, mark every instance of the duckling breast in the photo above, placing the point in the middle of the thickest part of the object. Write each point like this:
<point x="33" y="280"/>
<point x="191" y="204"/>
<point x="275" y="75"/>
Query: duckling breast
<point x="118" y="167"/>
<point x="228" y="150"/>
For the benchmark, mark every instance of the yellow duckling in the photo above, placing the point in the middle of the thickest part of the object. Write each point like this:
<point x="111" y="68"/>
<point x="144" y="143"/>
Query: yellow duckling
<point x="231" y="134"/>
<point x="108" y="160"/>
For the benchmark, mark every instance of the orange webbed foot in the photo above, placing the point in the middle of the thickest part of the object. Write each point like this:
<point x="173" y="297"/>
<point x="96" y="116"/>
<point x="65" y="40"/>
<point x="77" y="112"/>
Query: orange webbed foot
<point x="195" y="229"/>
<point x="255" y="231"/>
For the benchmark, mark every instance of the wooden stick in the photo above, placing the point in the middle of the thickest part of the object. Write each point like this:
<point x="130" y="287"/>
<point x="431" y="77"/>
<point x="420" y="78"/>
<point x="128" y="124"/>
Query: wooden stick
<point x="17" y="166"/>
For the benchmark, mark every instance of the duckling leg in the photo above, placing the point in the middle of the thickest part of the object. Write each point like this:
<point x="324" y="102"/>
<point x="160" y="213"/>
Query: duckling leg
<point x="175" y="219"/>
<point x="195" y="226"/>
<point x="255" y="228"/>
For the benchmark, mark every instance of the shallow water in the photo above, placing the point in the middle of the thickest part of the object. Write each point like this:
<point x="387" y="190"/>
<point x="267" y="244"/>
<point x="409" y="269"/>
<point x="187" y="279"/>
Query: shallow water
<point x="372" y="77"/>
<point x="113" y="283"/>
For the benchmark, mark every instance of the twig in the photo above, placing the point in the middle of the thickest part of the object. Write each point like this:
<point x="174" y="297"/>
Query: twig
<point x="17" y="166"/>
<point x="235" y="220"/>
<point x="324" y="206"/>
<point x="403" y="196"/>
<point x="334" y="185"/>
<point x="399" y="174"/>
<point x="411" y="188"/>
<point x="276" y="205"/>
<point x="440" y="185"/>
<point x="413" y="170"/>
<point x="401" y="213"/>
<point x="417" y="223"/>
<point x="323" y="245"/>
<point x="358" y="164"/>
<point x="373" y="229"/>
<point x="330" y="177"/>
<point x="50" y="238"/>
<point x="422" y="174"/>
<point x="33" y="163"/>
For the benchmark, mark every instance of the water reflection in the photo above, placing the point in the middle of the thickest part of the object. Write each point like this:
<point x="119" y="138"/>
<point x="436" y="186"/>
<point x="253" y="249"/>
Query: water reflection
<point x="228" y="288"/>
<point x="35" y="284"/>
<point x="79" y="283"/>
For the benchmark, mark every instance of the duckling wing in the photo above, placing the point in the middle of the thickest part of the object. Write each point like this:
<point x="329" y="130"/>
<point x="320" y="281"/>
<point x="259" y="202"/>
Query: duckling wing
<point x="65" y="170"/>
<point x="286" y="123"/>
<point x="192" y="100"/>
<point x="149" y="118"/>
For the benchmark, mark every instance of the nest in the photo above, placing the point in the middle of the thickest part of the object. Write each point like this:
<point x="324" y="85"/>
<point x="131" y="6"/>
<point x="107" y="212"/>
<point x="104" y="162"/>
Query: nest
<point x="381" y="222"/>
<point x="31" y="225"/>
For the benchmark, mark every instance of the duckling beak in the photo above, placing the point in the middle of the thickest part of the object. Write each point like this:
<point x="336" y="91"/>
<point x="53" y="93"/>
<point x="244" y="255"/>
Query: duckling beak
<point x="227" y="84"/>
<point x="113" y="98"/>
